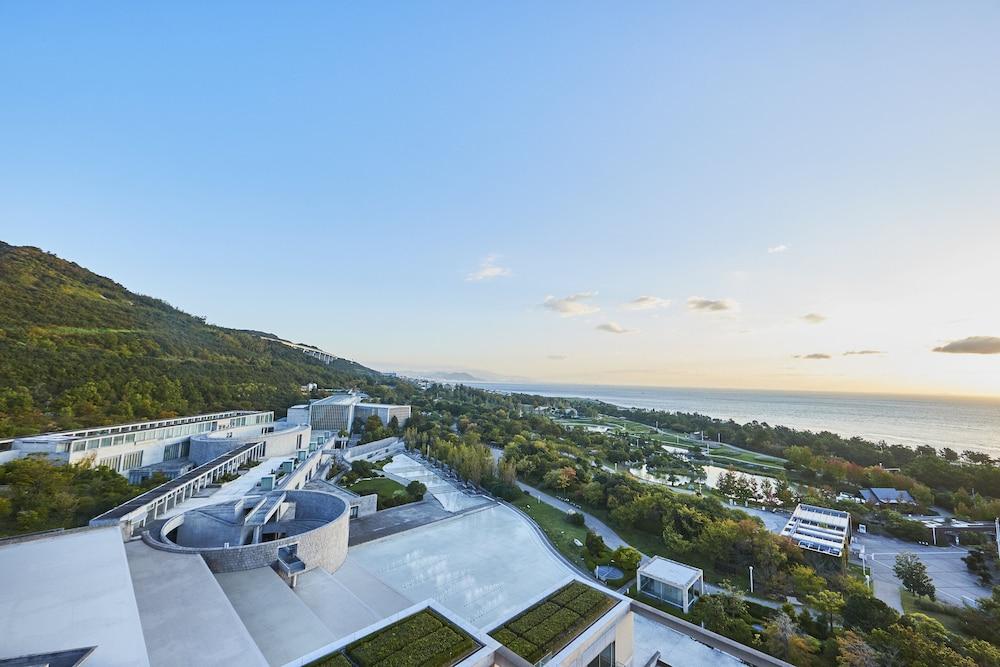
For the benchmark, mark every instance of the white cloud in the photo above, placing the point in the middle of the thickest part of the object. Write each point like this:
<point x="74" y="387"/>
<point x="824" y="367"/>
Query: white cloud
<point x="814" y="318"/>
<point x="613" y="327"/>
<point x="557" y="357"/>
<point x="573" y="305"/>
<point x="488" y="269"/>
<point x="646" y="303"/>
<point x="711" y="305"/>
<point x="781" y="247"/>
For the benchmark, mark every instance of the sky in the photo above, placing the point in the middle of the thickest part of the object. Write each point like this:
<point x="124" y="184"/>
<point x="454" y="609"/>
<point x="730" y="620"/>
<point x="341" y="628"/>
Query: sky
<point x="672" y="194"/>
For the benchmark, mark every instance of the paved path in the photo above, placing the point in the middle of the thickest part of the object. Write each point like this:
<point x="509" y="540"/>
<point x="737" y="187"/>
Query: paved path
<point x="609" y="536"/>
<point x="612" y="539"/>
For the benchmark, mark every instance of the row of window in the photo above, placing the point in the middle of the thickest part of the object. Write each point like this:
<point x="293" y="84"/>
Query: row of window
<point x="164" y="433"/>
<point x="122" y="461"/>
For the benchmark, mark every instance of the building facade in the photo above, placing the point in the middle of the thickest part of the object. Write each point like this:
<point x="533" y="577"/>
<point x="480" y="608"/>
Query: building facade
<point x="337" y="412"/>
<point x="125" y="447"/>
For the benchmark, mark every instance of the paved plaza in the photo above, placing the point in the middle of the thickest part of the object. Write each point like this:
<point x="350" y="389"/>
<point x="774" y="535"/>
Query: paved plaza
<point x="954" y="583"/>
<point x="446" y="492"/>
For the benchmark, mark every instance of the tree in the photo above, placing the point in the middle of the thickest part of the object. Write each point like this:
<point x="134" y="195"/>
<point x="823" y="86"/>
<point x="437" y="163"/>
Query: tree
<point x="805" y="581"/>
<point x="783" y="640"/>
<point x="416" y="489"/>
<point x="913" y="573"/>
<point x="595" y="543"/>
<point x="726" y="613"/>
<point x="575" y="518"/>
<point x="854" y="651"/>
<point x="864" y="612"/>
<point x="627" y="558"/>
<point x="560" y="479"/>
<point x="828" y="602"/>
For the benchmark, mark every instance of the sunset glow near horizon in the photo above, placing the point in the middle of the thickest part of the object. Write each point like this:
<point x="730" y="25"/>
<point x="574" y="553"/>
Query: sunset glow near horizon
<point x="787" y="196"/>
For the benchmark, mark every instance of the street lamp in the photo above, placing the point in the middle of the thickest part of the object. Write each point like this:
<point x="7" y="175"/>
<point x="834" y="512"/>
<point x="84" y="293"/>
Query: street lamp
<point x="751" y="578"/>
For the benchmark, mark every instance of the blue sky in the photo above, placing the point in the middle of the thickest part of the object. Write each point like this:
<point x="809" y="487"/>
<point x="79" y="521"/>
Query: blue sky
<point x="335" y="173"/>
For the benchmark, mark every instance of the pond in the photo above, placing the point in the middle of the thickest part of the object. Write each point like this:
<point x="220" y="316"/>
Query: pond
<point x="712" y="475"/>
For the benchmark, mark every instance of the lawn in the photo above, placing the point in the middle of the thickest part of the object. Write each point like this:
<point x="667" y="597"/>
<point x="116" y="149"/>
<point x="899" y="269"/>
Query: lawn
<point x="425" y="639"/>
<point x="548" y="626"/>
<point x="390" y="493"/>
<point x="950" y="622"/>
<point x="553" y="522"/>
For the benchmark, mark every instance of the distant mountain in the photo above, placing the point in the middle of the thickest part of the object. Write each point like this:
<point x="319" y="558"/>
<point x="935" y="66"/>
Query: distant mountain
<point x="78" y="349"/>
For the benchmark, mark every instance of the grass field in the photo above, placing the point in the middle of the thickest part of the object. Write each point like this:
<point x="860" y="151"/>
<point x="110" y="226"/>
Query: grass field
<point x="384" y="487"/>
<point x="951" y="623"/>
<point x="553" y="523"/>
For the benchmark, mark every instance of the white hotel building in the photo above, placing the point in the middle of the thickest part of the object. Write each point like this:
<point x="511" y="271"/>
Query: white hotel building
<point x="128" y="448"/>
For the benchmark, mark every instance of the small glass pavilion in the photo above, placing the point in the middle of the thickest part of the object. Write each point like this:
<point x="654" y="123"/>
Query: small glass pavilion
<point x="668" y="581"/>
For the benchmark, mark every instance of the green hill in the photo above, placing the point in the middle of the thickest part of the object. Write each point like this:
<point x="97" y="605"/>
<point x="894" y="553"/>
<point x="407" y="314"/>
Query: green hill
<point x="78" y="349"/>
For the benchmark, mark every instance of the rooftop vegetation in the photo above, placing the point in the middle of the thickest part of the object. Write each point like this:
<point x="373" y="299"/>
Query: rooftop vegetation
<point x="425" y="639"/>
<point x="550" y="625"/>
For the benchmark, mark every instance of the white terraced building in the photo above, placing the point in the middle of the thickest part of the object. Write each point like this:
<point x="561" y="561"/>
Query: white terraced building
<point x="126" y="447"/>
<point x="819" y="529"/>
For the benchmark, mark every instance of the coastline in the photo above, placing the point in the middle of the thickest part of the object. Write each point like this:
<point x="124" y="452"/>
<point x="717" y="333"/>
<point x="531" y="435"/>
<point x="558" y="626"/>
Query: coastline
<point x="960" y="423"/>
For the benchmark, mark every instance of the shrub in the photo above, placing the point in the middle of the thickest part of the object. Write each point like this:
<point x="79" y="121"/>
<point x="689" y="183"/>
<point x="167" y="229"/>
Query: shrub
<point x="574" y="518"/>
<point x="416" y="489"/>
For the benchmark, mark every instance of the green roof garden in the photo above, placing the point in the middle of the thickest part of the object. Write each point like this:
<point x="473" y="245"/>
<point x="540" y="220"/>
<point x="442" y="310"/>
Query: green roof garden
<point x="548" y="626"/>
<point x="424" y="639"/>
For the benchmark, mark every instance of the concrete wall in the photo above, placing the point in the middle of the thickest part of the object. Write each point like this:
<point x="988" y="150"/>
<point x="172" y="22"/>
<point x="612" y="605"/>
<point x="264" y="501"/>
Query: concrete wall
<point x="298" y="414"/>
<point x="6" y="457"/>
<point x="324" y="547"/>
<point x="282" y="442"/>
<point x="375" y="450"/>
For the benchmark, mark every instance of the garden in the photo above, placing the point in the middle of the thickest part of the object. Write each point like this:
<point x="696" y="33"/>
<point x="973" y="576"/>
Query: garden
<point x="551" y="624"/>
<point x="425" y="639"/>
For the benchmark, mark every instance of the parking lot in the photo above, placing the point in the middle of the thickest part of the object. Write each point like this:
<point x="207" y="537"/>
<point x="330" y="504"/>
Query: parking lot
<point x="954" y="583"/>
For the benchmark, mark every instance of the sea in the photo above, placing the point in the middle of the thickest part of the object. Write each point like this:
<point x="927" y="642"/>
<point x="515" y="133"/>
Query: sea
<point x="959" y="423"/>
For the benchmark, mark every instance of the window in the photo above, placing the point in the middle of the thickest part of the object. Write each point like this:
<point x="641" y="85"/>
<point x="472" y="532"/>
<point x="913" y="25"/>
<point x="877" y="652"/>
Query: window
<point x="606" y="658"/>
<point x="354" y="512"/>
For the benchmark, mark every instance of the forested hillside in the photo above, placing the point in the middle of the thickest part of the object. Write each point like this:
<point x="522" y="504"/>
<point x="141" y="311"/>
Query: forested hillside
<point x="78" y="349"/>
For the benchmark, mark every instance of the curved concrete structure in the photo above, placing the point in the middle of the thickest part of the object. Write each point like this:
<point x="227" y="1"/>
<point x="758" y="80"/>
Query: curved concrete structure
<point x="279" y="438"/>
<point x="291" y="531"/>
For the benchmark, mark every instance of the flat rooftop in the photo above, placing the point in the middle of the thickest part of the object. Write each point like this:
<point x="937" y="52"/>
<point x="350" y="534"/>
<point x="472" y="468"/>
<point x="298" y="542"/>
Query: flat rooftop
<point x="670" y="572"/>
<point x="484" y="566"/>
<point x="68" y="590"/>
<point x="56" y="436"/>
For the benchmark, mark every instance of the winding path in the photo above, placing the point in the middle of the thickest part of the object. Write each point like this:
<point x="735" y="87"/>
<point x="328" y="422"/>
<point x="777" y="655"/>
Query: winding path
<point x="609" y="536"/>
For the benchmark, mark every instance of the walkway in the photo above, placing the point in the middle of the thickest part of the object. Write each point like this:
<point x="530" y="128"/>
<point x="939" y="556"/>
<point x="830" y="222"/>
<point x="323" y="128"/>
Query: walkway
<point x="612" y="539"/>
<point x="609" y="536"/>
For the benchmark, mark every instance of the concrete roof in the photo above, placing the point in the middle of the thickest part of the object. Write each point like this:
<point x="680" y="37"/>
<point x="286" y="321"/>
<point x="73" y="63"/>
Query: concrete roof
<point x="670" y="572"/>
<point x="348" y="600"/>
<point x="70" y="590"/>
<point x="281" y="624"/>
<point x="186" y="617"/>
